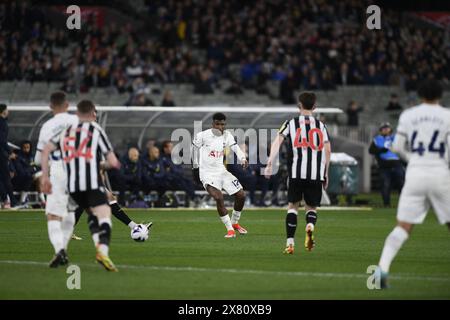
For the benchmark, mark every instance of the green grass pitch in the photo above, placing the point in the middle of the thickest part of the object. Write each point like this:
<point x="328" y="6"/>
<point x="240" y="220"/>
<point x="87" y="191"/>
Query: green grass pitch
<point x="186" y="257"/>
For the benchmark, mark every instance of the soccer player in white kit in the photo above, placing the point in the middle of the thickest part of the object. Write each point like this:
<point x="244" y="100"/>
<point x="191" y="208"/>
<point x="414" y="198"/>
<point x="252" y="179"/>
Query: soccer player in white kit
<point x="423" y="139"/>
<point x="60" y="221"/>
<point x="208" y="151"/>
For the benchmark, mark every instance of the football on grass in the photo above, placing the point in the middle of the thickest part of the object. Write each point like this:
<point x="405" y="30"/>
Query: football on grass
<point x="139" y="233"/>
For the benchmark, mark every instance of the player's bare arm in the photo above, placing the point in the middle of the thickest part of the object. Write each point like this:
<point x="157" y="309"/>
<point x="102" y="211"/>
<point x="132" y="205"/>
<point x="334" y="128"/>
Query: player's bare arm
<point x="111" y="162"/>
<point x="399" y="146"/>
<point x="274" y="149"/>
<point x="240" y="154"/>
<point x="45" y="184"/>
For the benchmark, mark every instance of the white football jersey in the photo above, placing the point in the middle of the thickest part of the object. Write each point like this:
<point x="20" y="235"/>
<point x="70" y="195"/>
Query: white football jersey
<point x="212" y="149"/>
<point x="426" y="129"/>
<point x="53" y="127"/>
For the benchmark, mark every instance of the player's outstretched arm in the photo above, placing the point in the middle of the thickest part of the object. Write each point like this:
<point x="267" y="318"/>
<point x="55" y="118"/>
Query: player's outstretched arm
<point x="274" y="149"/>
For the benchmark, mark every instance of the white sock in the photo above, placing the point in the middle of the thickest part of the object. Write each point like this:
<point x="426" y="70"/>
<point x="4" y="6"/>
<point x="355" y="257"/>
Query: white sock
<point x="235" y="216"/>
<point x="132" y="224"/>
<point x="227" y="222"/>
<point x="55" y="234"/>
<point x="95" y="239"/>
<point x="311" y="226"/>
<point x="392" y="245"/>
<point x="104" y="249"/>
<point x="67" y="225"/>
<point x="42" y="197"/>
<point x="105" y="220"/>
<point x="290" y="241"/>
<point x="23" y="196"/>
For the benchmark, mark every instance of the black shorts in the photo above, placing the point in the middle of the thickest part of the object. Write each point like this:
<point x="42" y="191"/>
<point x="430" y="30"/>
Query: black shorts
<point x="310" y="191"/>
<point x="89" y="199"/>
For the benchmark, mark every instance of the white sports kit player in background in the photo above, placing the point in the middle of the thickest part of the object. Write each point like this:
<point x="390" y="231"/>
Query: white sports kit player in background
<point x="60" y="221"/>
<point x="422" y="139"/>
<point x="208" y="151"/>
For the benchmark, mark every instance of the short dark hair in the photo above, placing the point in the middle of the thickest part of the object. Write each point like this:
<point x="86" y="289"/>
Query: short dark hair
<point x="307" y="99"/>
<point x="430" y="90"/>
<point x="22" y="143"/>
<point x="85" y="106"/>
<point x="165" y="143"/>
<point x="57" y="99"/>
<point x="3" y="107"/>
<point x="219" y="116"/>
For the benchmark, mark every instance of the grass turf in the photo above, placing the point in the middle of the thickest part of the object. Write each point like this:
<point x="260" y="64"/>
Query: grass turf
<point x="187" y="257"/>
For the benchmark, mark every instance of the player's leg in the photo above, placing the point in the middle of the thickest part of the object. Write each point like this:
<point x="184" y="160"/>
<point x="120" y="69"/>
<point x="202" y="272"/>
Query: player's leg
<point x="69" y="221"/>
<point x="313" y="196"/>
<point x="56" y="238"/>
<point x="217" y="195"/>
<point x="311" y="219"/>
<point x="56" y="211"/>
<point x="392" y="245"/>
<point x="93" y="226"/>
<point x="295" y="195"/>
<point x="233" y="187"/>
<point x="103" y="214"/>
<point x="118" y="212"/>
<point x="412" y="209"/>
<point x="67" y="226"/>
<point x="291" y="226"/>
<point x="239" y="201"/>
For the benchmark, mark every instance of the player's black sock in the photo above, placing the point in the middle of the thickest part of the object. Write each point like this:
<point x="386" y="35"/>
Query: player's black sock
<point x="78" y="213"/>
<point x="104" y="235"/>
<point x="119" y="213"/>
<point x="291" y="224"/>
<point x="93" y="224"/>
<point x="311" y="217"/>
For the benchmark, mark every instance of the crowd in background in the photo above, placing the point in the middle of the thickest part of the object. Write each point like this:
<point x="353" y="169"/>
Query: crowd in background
<point x="301" y="44"/>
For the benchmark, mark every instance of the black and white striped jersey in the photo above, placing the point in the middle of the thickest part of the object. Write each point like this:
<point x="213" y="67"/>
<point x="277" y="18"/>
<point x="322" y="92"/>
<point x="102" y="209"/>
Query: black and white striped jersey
<point x="306" y="156"/>
<point x="82" y="147"/>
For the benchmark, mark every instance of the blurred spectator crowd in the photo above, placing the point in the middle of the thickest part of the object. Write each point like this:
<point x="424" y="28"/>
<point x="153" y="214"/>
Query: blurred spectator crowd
<point x="312" y="45"/>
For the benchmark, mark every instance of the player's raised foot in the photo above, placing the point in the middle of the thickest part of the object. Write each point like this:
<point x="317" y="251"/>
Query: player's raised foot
<point x="149" y="225"/>
<point x="239" y="229"/>
<point x="75" y="237"/>
<point x="59" y="259"/>
<point x="309" y="237"/>
<point x="230" y="234"/>
<point x="289" y="249"/>
<point x="105" y="261"/>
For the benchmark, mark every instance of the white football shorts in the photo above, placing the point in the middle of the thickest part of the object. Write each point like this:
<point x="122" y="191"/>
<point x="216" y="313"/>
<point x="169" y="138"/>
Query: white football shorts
<point x="221" y="180"/>
<point x="425" y="187"/>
